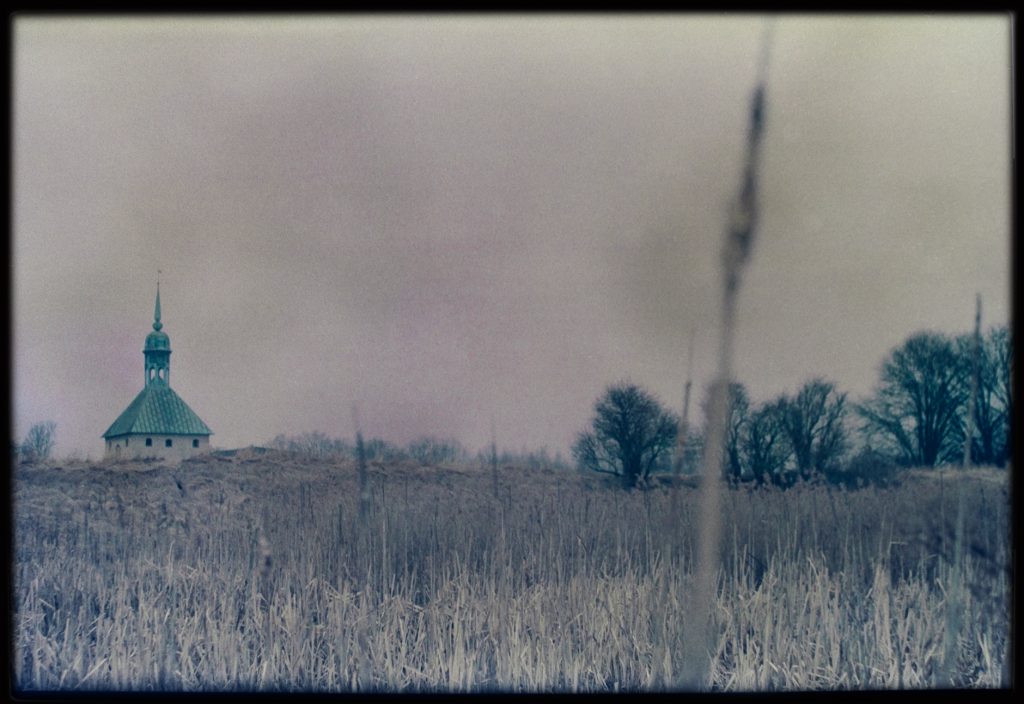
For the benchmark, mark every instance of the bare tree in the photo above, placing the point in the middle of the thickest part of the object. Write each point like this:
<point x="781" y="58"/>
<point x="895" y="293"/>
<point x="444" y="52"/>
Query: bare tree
<point x="917" y="406"/>
<point x="1002" y="361"/>
<point x="813" y="422"/>
<point x="39" y="441"/>
<point x="630" y="432"/>
<point x="763" y="444"/>
<point x="991" y="437"/>
<point x="736" y="420"/>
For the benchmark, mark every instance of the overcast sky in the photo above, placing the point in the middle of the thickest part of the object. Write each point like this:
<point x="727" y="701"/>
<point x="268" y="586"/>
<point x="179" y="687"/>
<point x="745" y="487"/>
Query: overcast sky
<point x="448" y="219"/>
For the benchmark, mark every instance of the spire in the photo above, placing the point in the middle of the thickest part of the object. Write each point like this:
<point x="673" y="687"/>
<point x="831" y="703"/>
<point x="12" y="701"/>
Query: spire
<point x="156" y="316"/>
<point x="158" y="348"/>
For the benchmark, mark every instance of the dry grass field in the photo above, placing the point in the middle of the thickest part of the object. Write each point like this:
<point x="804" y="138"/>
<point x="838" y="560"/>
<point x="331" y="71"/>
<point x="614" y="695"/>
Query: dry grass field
<point x="255" y="573"/>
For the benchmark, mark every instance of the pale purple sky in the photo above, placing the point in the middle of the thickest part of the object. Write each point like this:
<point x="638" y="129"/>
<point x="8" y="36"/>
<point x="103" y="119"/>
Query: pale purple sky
<point x="448" y="219"/>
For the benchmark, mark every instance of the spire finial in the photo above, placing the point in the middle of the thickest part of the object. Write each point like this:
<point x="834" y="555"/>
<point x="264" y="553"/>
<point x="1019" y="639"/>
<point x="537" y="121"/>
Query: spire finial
<point x="156" y="316"/>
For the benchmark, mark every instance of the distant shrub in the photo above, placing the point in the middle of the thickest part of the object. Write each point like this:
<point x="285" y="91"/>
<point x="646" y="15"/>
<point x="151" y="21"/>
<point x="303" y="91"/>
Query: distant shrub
<point x="869" y="467"/>
<point x="524" y="457"/>
<point x="378" y="450"/>
<point x="316" y="445"/>
<point x="431" y="450"/>
<point x="39" y="441"/>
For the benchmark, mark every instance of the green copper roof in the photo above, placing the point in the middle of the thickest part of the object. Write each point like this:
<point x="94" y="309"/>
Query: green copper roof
<point x="157" y="341"/>
<point x="160" y="411"/>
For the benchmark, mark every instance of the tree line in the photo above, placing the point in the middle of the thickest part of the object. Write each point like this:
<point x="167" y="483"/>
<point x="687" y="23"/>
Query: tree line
<point x="319" y="445"/>
<point x="427" y="450"/>
<point x="915" y="417"/>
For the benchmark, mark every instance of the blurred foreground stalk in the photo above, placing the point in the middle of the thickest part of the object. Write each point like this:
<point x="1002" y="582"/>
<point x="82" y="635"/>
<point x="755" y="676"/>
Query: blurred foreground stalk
<point x="695" y="671"/>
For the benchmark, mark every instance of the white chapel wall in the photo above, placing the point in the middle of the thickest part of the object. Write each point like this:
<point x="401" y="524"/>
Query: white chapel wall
<point x="135" y="446"/>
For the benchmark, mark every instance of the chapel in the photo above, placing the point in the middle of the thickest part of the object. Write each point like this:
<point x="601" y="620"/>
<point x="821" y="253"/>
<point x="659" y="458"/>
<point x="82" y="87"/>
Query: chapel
<point x="157" y="423"/>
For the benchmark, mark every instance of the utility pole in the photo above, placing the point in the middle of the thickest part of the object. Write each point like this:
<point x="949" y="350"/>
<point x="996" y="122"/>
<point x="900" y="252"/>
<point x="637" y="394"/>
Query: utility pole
<point x="683" y="435"/>
<point x="364" y="480"/>
<point x="954" y="592"/>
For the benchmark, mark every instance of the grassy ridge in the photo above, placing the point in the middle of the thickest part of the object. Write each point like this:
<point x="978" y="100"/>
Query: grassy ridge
<point x="255" y="573"/>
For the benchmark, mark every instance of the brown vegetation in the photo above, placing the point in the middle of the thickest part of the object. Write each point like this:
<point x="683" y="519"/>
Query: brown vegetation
<point x="255" y="572"/>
